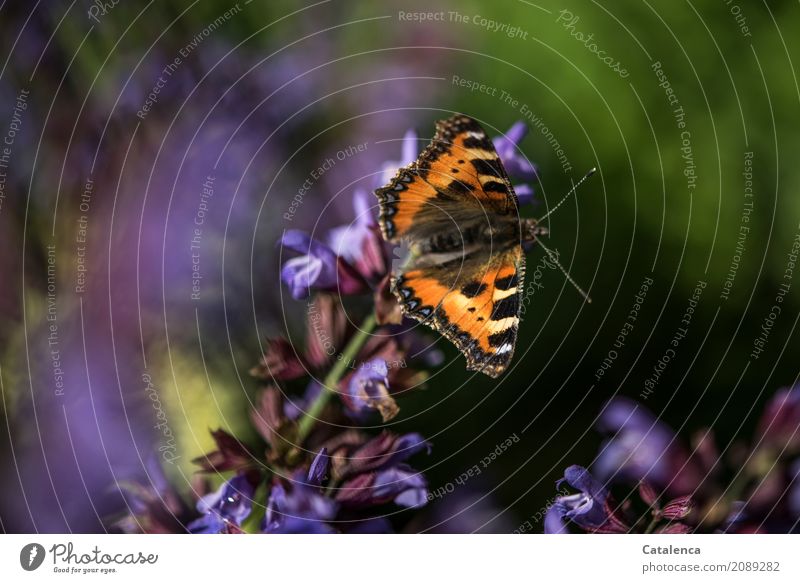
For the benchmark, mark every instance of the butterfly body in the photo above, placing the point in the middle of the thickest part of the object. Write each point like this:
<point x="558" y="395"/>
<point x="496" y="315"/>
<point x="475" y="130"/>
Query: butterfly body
<point x="456" y="208"/>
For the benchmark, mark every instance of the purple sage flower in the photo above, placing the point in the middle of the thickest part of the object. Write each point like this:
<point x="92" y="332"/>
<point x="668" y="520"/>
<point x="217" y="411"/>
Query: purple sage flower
<point x="301" y="510"/>
<point x="409" y="153"/>
<point x="402" y="485"/>
<point x="317" y="268"/>
<point x="507" y="146"/>
<point x="524" y="193"/>
<point x="224" y="510"/>
<point x="374" y="473"/>
<point x="368" y="389"/>
<point x="587" y="508"/>
<point x="360" y="243"/>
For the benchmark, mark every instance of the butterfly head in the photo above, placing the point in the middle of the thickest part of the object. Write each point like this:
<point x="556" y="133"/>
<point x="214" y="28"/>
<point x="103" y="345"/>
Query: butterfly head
<point x="531" y="230"/>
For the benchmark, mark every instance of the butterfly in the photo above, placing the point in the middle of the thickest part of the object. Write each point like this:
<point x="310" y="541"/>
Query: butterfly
<point x="457" y="210"/>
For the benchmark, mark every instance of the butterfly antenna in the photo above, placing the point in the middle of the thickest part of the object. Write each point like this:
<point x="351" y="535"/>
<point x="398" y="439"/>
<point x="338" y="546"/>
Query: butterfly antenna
<point x="566" y="196"/>
<point x="554" y="259"/>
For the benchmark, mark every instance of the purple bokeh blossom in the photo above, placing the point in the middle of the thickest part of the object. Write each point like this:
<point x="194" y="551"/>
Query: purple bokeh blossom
<point x="779" y="426"/>
<point x="409" y="152"/>
<point x="516" y="163"/>
<point x="641" y="447"/>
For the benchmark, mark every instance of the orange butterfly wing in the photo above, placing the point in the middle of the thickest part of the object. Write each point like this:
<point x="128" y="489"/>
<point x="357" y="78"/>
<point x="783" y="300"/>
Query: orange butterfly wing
<point x="459" y="167"/>
<point x="463" y="158"/>
<point x="477" y="309"/>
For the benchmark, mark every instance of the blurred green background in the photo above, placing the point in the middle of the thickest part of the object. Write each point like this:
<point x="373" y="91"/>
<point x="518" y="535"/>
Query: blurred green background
<point x="262" y="99"/>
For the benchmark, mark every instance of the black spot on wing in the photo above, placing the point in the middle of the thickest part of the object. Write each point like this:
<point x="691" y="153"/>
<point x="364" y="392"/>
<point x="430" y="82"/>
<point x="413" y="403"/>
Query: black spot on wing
<point x="495" y="186"/>
<point x="507" y="283"/>
<point x="473" y="289"/>
<point x="482" y="143"/>
<point x="459" y="187"/>
<point x="506" y="336"/>
<point x="492" y="167"/>
<point x="506" y="308"/>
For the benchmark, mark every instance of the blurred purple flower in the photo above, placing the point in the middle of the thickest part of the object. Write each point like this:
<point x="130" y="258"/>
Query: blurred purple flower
<point x="507" y="146"/>
<point x="524" y="193"/>
<point x="736" y="519"/>
<point x="397" y="449"/>
<point x="225" y="509"/>
<point x="587" y="508"/>
<point x="409" y="153"/>
<point x="554" y="522"/>
<point x="301" y="510"/>
<point x="355" y="256"/>
<point x="318" y="268"/>
<point x="642" y="448"/>
<point x="360" y="243"/>
<point x="638" y="444"/>
<point x="779" y="426"/>
<point x="402" y="485"/>
<point x="416" y="345"/>
<point x="368" y="389"/>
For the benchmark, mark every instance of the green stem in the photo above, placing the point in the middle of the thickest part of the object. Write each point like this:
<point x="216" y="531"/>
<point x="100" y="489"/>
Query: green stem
<point x="653" y="523"/>
<point x="331" y="381"/>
